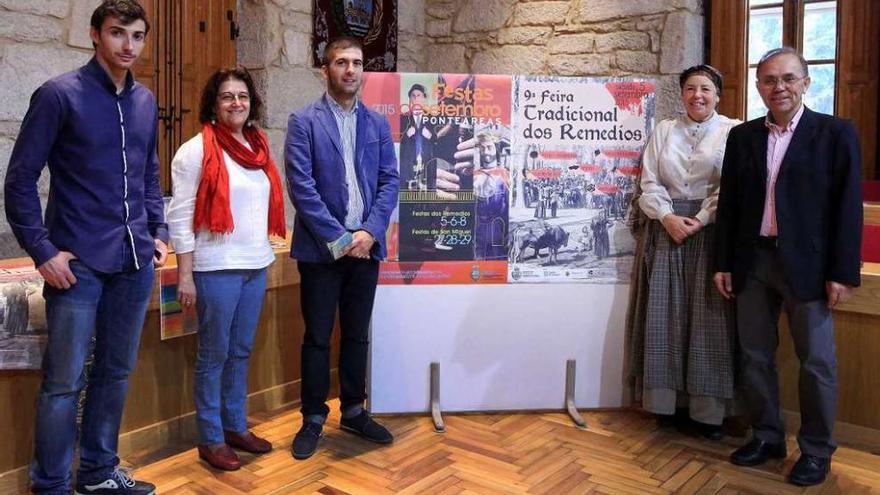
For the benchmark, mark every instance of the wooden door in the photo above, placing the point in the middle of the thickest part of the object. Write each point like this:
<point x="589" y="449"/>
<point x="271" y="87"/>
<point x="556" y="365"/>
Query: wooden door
<point x="146" y="70"/>
<point x="857" y="88"/>
<point x="206" y="43"/>
<point x="727" y="52"/>
<point x="187" y="42"/>
<point x="150" y="71"/>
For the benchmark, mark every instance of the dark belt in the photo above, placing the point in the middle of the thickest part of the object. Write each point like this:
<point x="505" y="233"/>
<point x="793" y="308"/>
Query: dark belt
<point x="764" y="242"/>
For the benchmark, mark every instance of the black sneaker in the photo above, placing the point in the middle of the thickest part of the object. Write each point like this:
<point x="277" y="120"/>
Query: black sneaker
<point x="119" y="482"/>
<point x="305" y="443"/>
<point x="363" y="425"/>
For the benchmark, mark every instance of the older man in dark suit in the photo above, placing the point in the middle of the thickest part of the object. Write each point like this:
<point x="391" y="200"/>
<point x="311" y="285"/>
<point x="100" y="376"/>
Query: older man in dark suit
<point x="342" y="177"/>
<point x="788" y="236"/>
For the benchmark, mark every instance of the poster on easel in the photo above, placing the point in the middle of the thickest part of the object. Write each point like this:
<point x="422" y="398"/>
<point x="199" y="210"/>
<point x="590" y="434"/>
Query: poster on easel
<point x="511" y="179"/>
<point x="452" y="135"/>
<point x="576" y="158"/>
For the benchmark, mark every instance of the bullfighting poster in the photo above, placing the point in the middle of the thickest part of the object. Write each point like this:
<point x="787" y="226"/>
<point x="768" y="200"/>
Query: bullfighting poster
<point x="511" y="179"/>
<point x="577" y="144"/>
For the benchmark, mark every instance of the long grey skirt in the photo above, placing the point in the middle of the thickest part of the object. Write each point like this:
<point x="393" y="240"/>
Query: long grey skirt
<point x="682" y="339"/>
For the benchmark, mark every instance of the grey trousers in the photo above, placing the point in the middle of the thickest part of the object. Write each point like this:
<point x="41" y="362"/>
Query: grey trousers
<point x="758" y="305"/>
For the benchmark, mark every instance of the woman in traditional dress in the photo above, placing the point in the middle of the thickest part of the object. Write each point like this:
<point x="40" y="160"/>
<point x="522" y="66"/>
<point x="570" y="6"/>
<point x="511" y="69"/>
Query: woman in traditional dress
<point x="683" y="335"/>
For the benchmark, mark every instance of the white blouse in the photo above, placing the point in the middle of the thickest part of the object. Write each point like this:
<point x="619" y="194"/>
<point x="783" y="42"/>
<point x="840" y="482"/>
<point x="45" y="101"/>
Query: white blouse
<point x="683" y="161"/>
<point x="247" y="247"/>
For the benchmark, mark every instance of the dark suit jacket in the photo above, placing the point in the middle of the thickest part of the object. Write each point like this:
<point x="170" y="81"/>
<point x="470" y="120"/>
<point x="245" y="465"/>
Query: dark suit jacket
<point x="818" y="203"/>
<point x="316" y="178"/>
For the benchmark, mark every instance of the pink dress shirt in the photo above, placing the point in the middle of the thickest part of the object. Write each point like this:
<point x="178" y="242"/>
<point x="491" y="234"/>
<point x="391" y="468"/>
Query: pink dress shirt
<point x="777" y="145"/>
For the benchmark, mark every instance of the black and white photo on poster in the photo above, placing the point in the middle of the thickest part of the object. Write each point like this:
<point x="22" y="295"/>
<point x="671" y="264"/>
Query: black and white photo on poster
<point x="23" y="329"/>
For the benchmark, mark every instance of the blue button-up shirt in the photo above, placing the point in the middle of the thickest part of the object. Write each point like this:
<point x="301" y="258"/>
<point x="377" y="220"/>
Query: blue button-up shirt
<point x="346" y="123"/>
<point x="105" y="203"/>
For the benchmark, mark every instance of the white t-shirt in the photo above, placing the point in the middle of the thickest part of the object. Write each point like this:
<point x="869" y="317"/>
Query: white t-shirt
<point x="247" y="247"/>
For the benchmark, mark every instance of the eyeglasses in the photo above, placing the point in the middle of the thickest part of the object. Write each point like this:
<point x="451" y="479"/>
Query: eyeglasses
<point x="229" y="97"/>
<point x="787" y="81"/>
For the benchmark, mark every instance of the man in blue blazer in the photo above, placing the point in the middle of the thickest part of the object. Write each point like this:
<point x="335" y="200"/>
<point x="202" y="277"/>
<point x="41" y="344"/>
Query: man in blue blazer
<point x="342" y="178"/>
<point x="788" y="234"/>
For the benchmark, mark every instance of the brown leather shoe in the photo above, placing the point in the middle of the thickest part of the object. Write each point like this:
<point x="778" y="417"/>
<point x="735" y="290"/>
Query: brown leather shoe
<point x="247" y="442"/>
<point x="220" y="456"/>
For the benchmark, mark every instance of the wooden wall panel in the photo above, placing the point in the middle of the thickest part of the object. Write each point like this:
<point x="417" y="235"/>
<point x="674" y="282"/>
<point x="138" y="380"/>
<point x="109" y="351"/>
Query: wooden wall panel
<point x="146" y="69"/>
<point x="857" y="338"/>
<point x="872" y="213"/>
<point x="191" y="40"/>
<point x="859" y="68"/>
<point x="203" y="45"/>
<point x="18" y="394"/>
<point x="866" y="299"/>
<point x="728" y="31"/>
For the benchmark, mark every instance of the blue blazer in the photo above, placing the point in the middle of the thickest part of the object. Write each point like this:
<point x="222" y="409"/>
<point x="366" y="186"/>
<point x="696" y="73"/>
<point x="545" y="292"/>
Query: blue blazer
<point x="316" y="178"/>
<point x="818" y="203"/>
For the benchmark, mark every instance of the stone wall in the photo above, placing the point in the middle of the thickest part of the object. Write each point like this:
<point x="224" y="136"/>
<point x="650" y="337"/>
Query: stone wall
<point x="648" y="38"/>
<point x="39" y="39"/>
<point x="275" y="45"/>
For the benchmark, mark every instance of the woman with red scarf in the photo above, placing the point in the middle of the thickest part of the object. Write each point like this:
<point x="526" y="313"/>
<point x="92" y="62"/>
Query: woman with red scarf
<point x="227" y="201"/>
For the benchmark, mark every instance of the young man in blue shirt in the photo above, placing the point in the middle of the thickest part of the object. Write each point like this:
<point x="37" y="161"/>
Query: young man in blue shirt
<point x="103" y="233"/>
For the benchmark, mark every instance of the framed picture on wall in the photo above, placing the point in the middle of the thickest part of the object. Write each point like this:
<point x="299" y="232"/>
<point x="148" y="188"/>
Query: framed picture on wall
<point x="373" y="22"/>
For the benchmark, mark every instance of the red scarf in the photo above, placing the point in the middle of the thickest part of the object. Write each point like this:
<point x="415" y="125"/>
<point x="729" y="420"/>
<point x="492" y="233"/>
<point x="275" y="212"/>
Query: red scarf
<point x="212" y="200"/>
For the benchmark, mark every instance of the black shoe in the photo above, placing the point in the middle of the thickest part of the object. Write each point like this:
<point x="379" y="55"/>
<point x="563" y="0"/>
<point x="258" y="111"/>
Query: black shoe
<point x="711" y="432"/>
<point x="305" y="443"/>
<point x="757" y="452"/>
<point x="363" y="425"/>
<point x="809" y="470"/>
<point x="119" y="482"/>
<point x="666" y="421"/>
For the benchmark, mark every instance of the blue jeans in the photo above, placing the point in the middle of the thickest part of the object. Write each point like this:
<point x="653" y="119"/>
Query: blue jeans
<point x="228" y="304"/>
<point x="109" y="307"/>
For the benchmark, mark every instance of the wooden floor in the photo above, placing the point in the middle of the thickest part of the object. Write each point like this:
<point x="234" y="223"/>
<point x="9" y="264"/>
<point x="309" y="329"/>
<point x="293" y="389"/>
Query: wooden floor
<point x="620" y="452"/>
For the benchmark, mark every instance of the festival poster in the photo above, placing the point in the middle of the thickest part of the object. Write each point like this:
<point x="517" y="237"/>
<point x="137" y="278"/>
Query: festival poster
<point x="23" y="328"/>
<point x="452" y="135"/>
<point x="576" y="153"/>
<point x="174" y="320"/>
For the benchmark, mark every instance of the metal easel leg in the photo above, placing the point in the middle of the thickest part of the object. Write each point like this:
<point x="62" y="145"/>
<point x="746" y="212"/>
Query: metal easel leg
<point x="436" y="418"/>
<point x="570" y="367"/>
